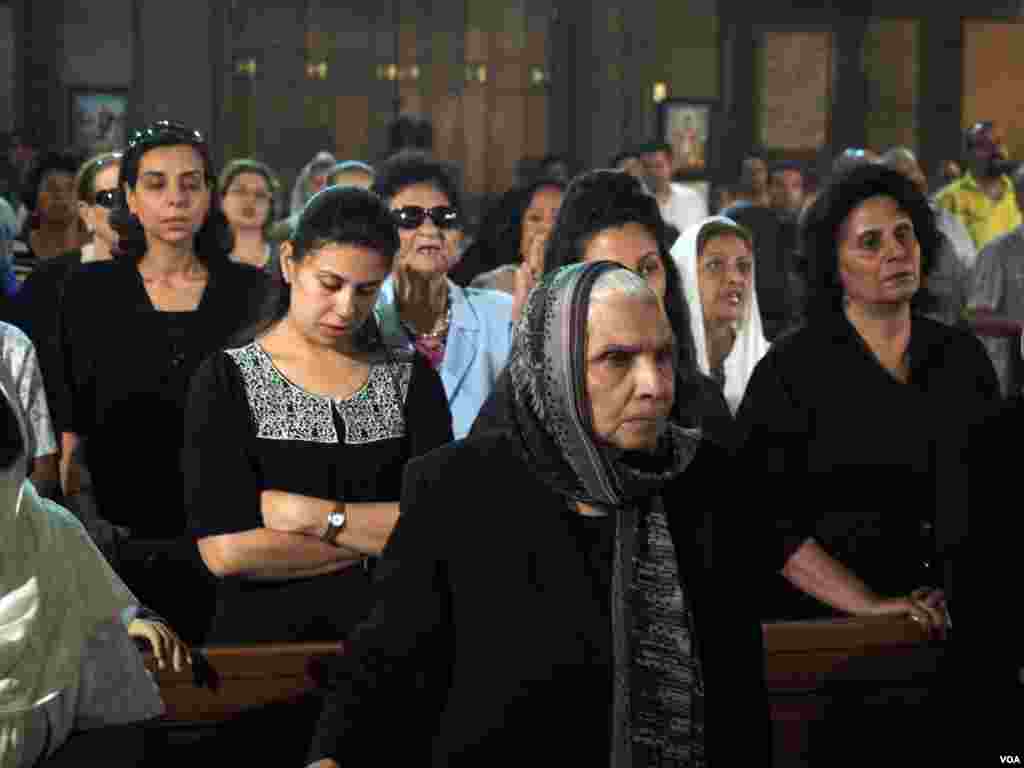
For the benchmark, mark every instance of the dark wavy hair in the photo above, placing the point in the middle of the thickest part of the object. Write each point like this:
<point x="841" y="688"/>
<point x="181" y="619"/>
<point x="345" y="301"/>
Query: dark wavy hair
<point x="821" y="231"/>
<point x="607" y="199"/>
<point x="51" y="162"/>
<point x="409" y="131"/>
<point x="499" y="239"/>
<point x="414" y="167"/>
<point x="214" y="241"/>
<point x="333" y="216"/>
<point x="249" y="165"/>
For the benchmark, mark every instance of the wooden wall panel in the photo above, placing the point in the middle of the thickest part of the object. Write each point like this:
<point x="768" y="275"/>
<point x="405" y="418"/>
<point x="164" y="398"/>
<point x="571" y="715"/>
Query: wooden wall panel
<point x="993" y="73"/>
<point x="475" y="135"/>
<point x="891" y="56"/>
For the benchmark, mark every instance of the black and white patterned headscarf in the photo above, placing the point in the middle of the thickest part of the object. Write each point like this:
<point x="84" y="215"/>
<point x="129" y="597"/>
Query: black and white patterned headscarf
<point x="657" y="696"/>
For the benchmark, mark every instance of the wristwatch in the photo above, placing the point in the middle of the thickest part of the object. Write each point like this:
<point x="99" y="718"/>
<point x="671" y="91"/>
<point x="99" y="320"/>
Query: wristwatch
<point x="336" y="520"/>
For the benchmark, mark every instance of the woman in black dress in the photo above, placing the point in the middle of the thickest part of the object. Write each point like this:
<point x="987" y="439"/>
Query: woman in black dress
<point x="297" y="440"/>
<point x="866" y="420"/>
<point x="133" y="330"/>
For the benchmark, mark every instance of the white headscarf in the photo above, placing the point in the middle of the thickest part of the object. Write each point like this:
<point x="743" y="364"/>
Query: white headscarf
<point x="299" y="193"/>
<point x="750" y="345"/>
<point x="55" y="590"/>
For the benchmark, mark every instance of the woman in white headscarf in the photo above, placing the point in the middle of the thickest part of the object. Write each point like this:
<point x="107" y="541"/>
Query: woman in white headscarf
<point x="68" y="663"/>
<point x="716" y="264"/>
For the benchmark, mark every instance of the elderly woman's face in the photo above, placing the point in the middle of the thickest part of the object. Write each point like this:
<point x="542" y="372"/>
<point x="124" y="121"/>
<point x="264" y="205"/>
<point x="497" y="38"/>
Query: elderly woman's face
<point x="725" y="270"/>
<point x="427" y="249"/>
<point x="879" y="255"/>
<point x="630" y="371"/>
<point x="96" y="216"/>
<point x="632" y="246"/>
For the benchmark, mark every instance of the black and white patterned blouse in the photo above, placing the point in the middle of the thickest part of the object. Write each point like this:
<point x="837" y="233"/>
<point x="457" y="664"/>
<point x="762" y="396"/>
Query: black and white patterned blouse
<point x="249" y="429"/>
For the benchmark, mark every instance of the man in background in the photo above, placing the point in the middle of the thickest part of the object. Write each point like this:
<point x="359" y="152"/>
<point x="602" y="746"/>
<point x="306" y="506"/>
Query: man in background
<point x="680" y="206"/>
<point x="983" y="198"/>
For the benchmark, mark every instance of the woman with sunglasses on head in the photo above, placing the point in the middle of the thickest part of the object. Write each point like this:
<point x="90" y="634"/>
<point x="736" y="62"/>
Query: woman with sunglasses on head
<point x="464" y="333"/>
<point x="35" y="307"/>
<point x="133" y="330"/>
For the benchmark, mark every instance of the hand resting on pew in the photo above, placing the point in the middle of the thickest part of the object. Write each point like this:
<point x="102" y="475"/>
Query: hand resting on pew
<point x="163" y="641"/>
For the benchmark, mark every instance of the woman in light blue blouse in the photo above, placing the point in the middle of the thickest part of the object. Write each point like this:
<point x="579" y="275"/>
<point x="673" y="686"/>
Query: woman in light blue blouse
<point x="465" y="333"/>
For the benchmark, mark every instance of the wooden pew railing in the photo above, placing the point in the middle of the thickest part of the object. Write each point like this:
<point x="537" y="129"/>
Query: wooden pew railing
<point x="807" y="665"/>
<point x="227" y="680"/>
<point x="813" y="666"/>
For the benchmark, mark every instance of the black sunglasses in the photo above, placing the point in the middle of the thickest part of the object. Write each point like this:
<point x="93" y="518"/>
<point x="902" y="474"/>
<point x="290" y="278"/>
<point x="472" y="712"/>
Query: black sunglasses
<point x="107" y="198"/>
<point x="162" y="130"/>
<point x="413" y="216"/>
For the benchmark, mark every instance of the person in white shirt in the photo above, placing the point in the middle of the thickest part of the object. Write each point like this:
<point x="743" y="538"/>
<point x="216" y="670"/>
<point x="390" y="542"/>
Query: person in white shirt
<point x="680" y="206"/>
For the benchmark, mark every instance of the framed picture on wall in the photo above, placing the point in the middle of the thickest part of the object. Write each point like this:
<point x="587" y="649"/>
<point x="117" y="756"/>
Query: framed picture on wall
<point x="98" y="119"/>
<point x="686" y="125"/>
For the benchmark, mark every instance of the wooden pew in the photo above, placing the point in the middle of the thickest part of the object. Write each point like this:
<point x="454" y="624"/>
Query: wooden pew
<point x="813" y="666"/>
<point x="227" y="680"/>
<point x="809" y="665"/>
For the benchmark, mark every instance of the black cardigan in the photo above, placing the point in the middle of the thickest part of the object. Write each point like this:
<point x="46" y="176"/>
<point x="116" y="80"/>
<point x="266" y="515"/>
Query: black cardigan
<point x="483" y="591"/>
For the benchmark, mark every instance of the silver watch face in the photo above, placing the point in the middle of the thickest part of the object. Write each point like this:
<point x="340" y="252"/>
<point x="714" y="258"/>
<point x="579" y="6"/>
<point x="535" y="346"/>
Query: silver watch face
<point x="336" y="519"/>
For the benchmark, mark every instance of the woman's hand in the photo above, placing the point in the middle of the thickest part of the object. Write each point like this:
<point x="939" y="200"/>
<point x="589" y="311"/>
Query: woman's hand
<point x="164" y="642"/>
<point x="529" y="272"/>
<point x="926" y="605"/>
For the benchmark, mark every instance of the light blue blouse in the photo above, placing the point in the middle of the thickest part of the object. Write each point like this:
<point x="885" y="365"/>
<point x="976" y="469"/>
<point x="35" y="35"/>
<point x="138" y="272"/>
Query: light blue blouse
<point x="479" y="340"/>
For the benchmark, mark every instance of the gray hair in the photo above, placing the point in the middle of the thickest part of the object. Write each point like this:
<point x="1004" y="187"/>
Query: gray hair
<point x="621" y="282"/>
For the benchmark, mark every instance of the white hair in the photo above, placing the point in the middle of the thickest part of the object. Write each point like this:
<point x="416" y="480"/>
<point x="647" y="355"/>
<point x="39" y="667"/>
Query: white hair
<point x="621" y="282"/>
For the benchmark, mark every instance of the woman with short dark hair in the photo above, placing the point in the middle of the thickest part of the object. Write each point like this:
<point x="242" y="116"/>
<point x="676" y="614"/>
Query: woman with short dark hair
<point x="463" y="332"/>
<point x="133" y="330"/>
<point x="52" y="228"/>
<point x="870" y="411"/>
<point x="513" y="232"/>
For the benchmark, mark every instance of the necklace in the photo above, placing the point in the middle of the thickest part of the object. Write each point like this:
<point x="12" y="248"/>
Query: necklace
<point x="432" y="344"/>
<point x="440" y="329"/>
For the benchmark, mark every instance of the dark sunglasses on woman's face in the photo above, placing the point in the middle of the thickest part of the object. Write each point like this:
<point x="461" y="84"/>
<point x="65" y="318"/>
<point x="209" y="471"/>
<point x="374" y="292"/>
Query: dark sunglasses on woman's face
<point x="413" y="216"/>
<point x="107" y="198"/>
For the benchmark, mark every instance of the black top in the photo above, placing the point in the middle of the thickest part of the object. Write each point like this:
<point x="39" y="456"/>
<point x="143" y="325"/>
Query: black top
<point x="249" y="429"/>
<point x="127" y="368"/>
<point x="34" y="310"/>
<point x="485" y="582"/>
<point x="880" y="466"/>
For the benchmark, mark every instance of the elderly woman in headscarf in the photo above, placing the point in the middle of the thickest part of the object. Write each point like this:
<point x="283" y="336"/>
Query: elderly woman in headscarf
<point x="578" y="620"/>
<point x="716" y="264"/>
<point x="71" y="679"/>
